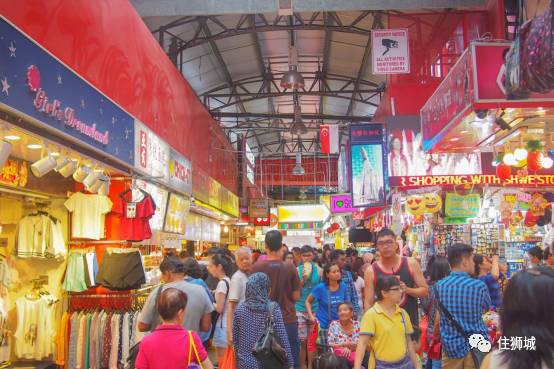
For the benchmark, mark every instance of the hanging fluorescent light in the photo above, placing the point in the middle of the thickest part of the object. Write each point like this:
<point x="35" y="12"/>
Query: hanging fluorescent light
<point x="43" y="166"/>
<point x="298" y="170"/>
<point x="5" y="150"/>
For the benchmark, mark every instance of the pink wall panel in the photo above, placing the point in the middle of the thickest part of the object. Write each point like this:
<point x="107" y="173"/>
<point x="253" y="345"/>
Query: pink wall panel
<point x="106" y="42"/>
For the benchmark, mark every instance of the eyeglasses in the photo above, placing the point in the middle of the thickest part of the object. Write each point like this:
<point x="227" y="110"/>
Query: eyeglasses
<point x="385" y="243"/>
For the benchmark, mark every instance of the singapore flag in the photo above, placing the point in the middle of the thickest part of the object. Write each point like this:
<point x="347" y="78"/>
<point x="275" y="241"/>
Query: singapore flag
<point x="329" y="138"/>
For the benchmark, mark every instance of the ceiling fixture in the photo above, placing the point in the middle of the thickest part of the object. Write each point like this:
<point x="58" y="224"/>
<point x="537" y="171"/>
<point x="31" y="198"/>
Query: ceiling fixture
<point x="298" y="126"/>
<point x="43" y="166"/>
<point x="34" y="146"/>
<point x="12" y="138"/>
<point x="81" y="173"/>
<point x="298" y="170"/>
<point x="66" y="167"/>
<point x="292" y="79"/>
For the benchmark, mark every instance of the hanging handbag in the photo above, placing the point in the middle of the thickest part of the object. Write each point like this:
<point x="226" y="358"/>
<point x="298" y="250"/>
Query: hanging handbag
<point x="268" y="351"/>
<point x="476" y="355"/>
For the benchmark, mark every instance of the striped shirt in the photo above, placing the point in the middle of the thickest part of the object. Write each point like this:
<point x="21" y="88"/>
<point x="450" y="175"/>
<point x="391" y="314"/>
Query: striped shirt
<point x="466" y="299"/>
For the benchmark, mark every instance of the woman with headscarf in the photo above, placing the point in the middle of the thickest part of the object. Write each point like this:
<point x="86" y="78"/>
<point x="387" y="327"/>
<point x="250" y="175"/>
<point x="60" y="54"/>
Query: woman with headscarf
<point x="250" y="321"/>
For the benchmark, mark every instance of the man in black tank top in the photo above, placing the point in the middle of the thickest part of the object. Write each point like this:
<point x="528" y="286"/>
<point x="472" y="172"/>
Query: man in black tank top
<point x="408" y="271"/>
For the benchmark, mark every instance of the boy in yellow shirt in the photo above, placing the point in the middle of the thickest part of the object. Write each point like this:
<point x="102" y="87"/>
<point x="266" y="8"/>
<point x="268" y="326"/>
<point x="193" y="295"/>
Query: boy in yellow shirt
<point x="385" y="330"/>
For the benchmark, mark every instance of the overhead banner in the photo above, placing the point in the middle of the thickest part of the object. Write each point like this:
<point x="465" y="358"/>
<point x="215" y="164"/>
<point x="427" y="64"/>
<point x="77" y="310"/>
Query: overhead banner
<point x="462" y="206"/>
<point x="38" y="85"/>
<point x="406" y="156"/>
<point x="151" y="153"/>
<point x="368" y="167"/>
<point x="390" y="51"/>
<point x="329" y="138"/>
<point x="342" y="204"/>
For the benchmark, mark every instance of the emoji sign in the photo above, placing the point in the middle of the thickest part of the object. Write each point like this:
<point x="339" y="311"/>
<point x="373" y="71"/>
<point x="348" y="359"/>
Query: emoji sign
<point x="433" y="203"/>
<point x="421" y="204"/>
<point x="415" y="205"/>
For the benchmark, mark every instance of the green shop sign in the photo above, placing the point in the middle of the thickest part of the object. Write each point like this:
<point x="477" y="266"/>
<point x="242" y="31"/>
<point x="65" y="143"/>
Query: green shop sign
<point x="462" y="206"/>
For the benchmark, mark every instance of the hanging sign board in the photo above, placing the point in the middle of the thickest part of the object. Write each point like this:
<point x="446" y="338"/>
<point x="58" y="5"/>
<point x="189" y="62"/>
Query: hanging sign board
<point x="462" y="206"/>
<point x="390" y="51"/>
<point x="258" y="208"/>
<point x="37" y="84"/>
<point x="151" y="153"/>
<point x="342" y="204"/>
<point x="302" y="213"/>
<point x="180" y="172"/>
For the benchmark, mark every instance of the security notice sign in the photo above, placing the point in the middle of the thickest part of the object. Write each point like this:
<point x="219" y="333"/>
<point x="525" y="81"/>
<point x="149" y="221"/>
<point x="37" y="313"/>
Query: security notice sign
<point x="390" y="49"/>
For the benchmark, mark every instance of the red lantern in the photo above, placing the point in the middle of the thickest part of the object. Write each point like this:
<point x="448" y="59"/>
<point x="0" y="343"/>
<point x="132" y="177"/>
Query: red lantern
<point x="503" y="171"/>
<point x="534" y="161"/>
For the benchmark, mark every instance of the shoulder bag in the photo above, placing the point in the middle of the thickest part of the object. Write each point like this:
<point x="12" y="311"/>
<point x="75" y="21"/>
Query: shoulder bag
<point x="268" y="351"/>
<point x="476" y="355"/>
<point x="192" y="348"/>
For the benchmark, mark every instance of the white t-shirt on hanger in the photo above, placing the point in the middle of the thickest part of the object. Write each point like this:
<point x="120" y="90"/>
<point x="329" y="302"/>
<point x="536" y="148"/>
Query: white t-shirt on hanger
<point x="88" y="213"/>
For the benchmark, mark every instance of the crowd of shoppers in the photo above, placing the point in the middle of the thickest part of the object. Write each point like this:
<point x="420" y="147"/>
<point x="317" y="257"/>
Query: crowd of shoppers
<point x="364" y="311"/>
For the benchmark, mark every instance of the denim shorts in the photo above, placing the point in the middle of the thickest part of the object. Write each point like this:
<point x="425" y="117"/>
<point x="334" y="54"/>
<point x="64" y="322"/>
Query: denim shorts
<point x="220" y="337"/>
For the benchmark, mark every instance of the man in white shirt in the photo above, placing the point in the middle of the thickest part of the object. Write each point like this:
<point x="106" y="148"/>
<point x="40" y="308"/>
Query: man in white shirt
<point x="243" y="258"/>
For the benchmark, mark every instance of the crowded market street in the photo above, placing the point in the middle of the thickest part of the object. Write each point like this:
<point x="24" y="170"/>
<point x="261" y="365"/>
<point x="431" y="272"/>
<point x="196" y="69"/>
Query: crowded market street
<point x="277" y="184"/>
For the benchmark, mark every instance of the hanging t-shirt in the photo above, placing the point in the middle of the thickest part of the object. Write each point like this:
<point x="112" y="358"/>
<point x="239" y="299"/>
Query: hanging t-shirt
<point x="88" y="213"/>
<point x="34" y="337"/>
<point x="322" y="294"/>
<point x="40" y="235"/>
<point x="135" y="217"/>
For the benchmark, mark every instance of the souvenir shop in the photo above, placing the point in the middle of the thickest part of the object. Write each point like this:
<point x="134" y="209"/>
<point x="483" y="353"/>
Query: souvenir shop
<point x="90" y="200"/>
<point x="480" y="168"/>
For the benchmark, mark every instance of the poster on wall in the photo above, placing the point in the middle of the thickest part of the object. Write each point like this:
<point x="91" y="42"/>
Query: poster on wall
<point x="151" y="153"/>
<point x="406" y="157"/>
<point x="390" y="51"/>
<point x="368" y="166"/>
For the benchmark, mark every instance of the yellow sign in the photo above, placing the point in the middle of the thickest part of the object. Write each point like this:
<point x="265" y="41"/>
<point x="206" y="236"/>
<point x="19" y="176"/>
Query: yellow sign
<point x="14" y="173"/>
<point x="302" y="213"/>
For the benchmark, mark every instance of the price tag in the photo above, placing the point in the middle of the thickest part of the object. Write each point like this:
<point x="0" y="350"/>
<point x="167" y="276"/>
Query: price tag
<point x="132" y="210"/>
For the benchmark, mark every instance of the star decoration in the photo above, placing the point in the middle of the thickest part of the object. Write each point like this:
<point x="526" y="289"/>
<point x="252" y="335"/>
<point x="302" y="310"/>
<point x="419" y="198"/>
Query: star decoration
<point x="12" y="49"/>
<point x="113" y="121"/>
<point x="127" y="131"/>
<point x="82" y="103"/>
<point x="59" y="79"/>
<point x="5" y="86"/>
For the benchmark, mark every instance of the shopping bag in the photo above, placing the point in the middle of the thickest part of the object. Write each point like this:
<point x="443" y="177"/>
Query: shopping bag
<point x="228" y="361"/>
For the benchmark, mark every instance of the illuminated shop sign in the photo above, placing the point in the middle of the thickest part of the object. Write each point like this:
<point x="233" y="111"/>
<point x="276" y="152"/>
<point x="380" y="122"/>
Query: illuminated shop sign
<point x="484" y="179"/>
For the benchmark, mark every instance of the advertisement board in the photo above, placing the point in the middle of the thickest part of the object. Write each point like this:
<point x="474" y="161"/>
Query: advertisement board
<point x="176" y="214"/>
<point x="489" y="74"/>
<point x="35" y="83"/>
<point x="201" y="185"/>
<point x="302" y="213"/>
<point x="258" y="208"/>
<point x="462" y="206"/>
<point x="406" y="157"/>
<point x="448" y="104"/>
<point x="342" y="204"/>
<point x="180" y="172"/>
<point x="531" y="180"/>
<point x="390" y="51"/>
<point x="151" y="153"/>
<point x="368" y="167"/>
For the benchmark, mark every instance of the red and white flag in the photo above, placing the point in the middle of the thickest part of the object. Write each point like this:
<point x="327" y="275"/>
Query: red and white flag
<point x="329" y="138"/>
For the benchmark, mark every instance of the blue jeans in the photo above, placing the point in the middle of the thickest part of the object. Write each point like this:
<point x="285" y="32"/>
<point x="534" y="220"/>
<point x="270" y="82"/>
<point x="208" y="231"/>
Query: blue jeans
<point x="294" y="342"/>
<point x="433" y="364"/>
